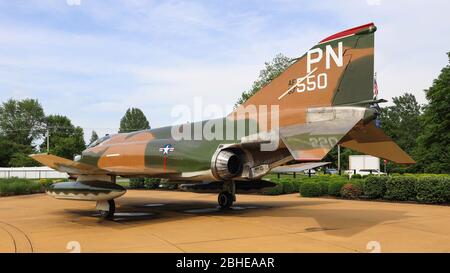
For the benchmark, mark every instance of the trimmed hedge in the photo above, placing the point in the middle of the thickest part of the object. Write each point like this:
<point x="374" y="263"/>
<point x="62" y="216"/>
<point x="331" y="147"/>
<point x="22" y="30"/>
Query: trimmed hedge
<point x="334" y="187"/>
<point x="144" y="183"/>
<point x="288" y="187"/>
<point x="296" y="183"/>
<point x="423" y="188"/>
<point x="351" y="190"/>
<point x="375" y="186"/>
<point x="432" y="189"/>
<point x="18" y="186"/>
<point x="152" y="183"/>
<point x="310" y="189"/>
<point x="277" y="190"/>
<point x="323" y="187"/>
<point x="137" y="183"/>
<point x="401" y="188"/>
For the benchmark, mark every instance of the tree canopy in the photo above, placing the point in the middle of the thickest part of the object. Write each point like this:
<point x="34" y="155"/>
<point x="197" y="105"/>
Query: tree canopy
<point x="66" y="140"/>
<point x="401" y="121"/>
<point x="21" y="125"/>
<point x="21" y="121"/>
<point x="434" y="142"/>
<point x="133" y="120"/>
<point x="94" y="137"/>
<point x="271" y="70"/>
<point x="14" y="154"/>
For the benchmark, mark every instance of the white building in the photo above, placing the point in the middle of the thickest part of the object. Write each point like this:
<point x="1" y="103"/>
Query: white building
<point x="31" y="172"/>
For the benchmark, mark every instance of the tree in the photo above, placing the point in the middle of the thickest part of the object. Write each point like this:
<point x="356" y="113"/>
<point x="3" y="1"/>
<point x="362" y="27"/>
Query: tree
<point x="401" y="121"/>
<point x="133" y="120"/>
<point x="59" y="127"/>
<point x="70" y="146"/>
<point x="434" y="141"/>
<point x="272" y="70"/>
<point x="94" y="137"/>
<point x="15" y="155"/>
<point x="66" y="140"/>
<point x="21" y="121"/>
<point x="21" y="159"/>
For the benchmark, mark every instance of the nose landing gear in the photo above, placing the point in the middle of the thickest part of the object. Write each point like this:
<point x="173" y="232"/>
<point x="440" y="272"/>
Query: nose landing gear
<point x="228" y="195"/>
<point x="106" y="208"/>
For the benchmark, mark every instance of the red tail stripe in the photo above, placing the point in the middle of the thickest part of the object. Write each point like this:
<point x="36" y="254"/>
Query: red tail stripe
<point x="346" y="32"/>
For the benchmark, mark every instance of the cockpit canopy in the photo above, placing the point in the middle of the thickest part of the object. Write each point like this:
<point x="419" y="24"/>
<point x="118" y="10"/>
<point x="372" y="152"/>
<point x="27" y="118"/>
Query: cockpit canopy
<point x="99" y="141"/>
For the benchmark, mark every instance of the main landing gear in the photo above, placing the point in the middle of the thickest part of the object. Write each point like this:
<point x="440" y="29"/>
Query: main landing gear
<point x="228" y="195"/>
<point x="106" y="208"/>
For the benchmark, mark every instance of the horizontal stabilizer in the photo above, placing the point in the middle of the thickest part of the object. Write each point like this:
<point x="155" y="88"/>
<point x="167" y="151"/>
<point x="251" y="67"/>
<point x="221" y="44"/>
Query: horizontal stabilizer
<point x="66" y="165"/>
<point x="324" y="128"/>
<point x="370" y="140"/>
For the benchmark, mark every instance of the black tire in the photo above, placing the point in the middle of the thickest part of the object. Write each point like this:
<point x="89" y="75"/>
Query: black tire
<point x="225" y="200"/>
<point x="108" y="214"/>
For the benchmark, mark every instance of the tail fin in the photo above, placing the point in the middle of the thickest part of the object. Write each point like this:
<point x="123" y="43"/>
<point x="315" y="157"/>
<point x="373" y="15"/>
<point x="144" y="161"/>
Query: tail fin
<point x="323" y="100"/>
<point x="337" y="71"/>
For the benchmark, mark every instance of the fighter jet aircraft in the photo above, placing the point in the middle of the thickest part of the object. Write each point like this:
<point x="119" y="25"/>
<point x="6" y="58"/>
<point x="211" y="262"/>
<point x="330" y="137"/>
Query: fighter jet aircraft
<point x="324" y="98"/>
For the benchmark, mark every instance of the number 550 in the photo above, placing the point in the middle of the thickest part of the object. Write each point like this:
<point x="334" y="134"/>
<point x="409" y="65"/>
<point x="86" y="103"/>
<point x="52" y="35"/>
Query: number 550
<point x="312" y="83"/>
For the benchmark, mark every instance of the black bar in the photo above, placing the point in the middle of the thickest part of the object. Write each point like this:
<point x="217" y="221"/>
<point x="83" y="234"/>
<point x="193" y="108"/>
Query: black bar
<point x="229" y="262"/>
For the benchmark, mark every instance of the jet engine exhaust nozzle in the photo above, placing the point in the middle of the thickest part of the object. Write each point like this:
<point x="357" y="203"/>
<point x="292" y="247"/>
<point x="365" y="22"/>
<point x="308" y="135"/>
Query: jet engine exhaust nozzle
<point x="227" y="164"/>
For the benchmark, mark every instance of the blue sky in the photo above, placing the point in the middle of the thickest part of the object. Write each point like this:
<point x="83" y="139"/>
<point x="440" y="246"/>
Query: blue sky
<point x="92" y="61"/>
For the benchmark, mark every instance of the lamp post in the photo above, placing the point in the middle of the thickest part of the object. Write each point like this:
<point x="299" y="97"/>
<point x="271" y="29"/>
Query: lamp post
<point x="339" y="159"/>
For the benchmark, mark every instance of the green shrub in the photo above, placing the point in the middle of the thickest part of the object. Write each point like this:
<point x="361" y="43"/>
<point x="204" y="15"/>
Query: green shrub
<point x="296" y="184"/>
<point x="334" y="187"/>
<point x="46" y="182"/>
<point x="375" y="186"/>
<point x="310" y="189"/>
<point x="432" y="189"/>
<point x="351" y="190"/>
<point x="17" y="186"/>
<point x="137" y="183"/>
<point x="356" y="176"/>
<point x="169" y="186"/>
<point x="288" y="187"/>
<point x="152" y="183"/>
<point x="446" y="183"/>
<point x="400" y="188"/>
<point x="277" y="190"/>
<point x="323" y="187"/>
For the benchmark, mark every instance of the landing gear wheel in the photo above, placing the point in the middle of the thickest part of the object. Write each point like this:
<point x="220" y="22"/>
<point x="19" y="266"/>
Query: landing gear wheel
<point x="109" y="213"/>
<point x="225" y="200"/>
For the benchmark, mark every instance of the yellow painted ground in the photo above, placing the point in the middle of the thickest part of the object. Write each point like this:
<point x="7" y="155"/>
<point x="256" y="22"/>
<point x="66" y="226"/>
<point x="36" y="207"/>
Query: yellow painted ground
<point x="162" y="221"/>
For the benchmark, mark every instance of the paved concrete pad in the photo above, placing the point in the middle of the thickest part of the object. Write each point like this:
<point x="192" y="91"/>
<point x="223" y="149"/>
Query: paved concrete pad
<point x="163" y="221"/>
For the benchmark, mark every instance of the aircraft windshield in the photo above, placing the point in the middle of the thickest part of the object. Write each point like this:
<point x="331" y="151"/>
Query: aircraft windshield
<point x="98" y="141"/>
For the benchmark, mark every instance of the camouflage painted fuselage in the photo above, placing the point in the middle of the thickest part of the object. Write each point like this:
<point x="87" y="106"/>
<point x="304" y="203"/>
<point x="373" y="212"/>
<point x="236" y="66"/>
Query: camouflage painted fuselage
<point x="139" y="154"/>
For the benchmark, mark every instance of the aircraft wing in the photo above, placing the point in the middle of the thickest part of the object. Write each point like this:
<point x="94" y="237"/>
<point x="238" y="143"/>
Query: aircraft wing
<point x="66" y="165"/>
<point x="298" y="167"/>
